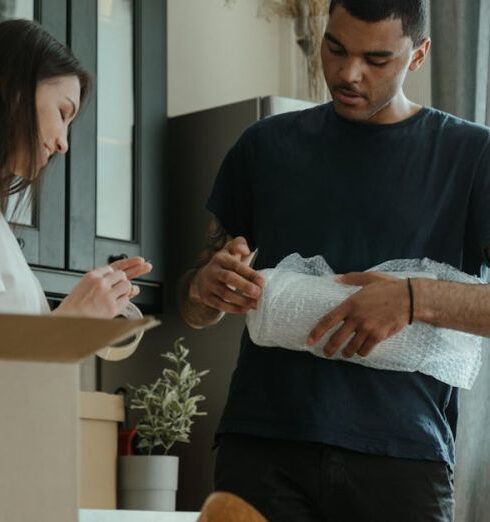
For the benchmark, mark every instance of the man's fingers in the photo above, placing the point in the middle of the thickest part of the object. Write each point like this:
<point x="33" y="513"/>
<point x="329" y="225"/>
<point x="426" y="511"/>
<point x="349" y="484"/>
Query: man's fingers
<point x="242" y="269"/>
<point x="361" y="278"/>
<point x="231" y="296"/>
<point x="244" y="286"/>
<point x="238" y="246"/>
<point x="338" y="339"/>
<point x="367" y="347"/>
<point x="353" y="347"/>
<point x="327" y="322"/>
<point x="357" y="278"/>
<point x="217" y="303"/>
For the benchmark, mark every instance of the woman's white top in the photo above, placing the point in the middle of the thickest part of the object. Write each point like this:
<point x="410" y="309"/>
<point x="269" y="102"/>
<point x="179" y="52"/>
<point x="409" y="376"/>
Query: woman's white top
<point x="20" y="291"/>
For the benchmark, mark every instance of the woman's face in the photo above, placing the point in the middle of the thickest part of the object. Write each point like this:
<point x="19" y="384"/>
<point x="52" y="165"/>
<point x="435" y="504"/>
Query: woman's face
<point x="57" y="104"/>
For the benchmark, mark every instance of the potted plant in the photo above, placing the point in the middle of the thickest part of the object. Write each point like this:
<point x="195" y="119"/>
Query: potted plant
<point x="148" y="480"/>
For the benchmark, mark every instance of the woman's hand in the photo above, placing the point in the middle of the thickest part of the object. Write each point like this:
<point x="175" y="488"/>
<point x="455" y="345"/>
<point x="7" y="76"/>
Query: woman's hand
<point x="104" y="292"/>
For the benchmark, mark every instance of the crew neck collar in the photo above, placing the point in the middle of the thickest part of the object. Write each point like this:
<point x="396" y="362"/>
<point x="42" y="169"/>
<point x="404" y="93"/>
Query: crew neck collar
<point x="374" y="127"/>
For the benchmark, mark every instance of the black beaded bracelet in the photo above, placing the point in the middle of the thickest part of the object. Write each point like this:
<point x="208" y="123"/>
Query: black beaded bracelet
<point x="410" y="295"/>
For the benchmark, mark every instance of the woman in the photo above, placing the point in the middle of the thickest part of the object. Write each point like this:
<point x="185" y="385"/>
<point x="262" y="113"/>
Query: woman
<point x="42" y="86"/>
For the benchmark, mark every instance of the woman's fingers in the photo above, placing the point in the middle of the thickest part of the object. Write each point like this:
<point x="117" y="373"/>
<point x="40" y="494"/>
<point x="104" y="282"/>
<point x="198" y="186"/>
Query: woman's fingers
<point x="134" y="266"/>
<point x="139" y="270"/>
<point x="101" y="271"/>
<point x="135" y="290"/>
<point x="121" y="288"/>
<point x="124" y="264"/>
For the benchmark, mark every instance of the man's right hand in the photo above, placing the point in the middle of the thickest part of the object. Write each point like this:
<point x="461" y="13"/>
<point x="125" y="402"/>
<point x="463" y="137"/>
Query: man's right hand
<point x="227" y="283"/>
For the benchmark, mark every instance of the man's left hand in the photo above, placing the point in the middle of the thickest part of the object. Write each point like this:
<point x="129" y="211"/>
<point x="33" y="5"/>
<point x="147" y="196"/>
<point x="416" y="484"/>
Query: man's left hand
<point x="377" y="311"/>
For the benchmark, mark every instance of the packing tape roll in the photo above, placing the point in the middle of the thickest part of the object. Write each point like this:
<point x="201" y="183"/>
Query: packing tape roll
<point x="123" y="351"/>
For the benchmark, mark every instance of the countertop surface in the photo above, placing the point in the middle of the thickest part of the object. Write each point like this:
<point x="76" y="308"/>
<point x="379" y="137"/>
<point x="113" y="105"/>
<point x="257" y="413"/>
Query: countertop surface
<point x="120" y="515"/>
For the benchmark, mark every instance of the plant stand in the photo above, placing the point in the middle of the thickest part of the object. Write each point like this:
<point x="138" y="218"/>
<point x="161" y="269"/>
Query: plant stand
<point x="147" y="482"/>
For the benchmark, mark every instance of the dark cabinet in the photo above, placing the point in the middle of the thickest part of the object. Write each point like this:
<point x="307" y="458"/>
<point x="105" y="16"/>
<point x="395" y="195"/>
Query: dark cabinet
<point x="106" y="197"/>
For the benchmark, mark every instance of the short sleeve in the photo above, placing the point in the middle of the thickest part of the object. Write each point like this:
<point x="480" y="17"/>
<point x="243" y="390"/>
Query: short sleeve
<point x="480" y="202"/>
<point x="231" y="199"/>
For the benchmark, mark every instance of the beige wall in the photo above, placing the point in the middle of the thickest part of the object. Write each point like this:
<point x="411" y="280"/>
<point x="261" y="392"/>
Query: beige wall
<point x="219" y="54"/>
<point x="418" y="85"/>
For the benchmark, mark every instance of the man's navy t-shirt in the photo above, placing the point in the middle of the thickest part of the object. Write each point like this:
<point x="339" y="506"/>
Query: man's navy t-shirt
<point x="358" y="194"/>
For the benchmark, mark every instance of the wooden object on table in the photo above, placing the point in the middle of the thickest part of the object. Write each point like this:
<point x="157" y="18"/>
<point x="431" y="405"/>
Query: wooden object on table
<point x="227" y="507"/>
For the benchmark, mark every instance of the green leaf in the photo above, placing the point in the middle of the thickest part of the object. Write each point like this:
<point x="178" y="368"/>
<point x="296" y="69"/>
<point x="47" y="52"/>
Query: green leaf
<point x="167" y="405"/>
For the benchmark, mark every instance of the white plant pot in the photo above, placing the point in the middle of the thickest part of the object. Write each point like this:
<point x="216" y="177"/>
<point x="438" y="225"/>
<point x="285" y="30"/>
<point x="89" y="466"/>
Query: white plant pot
<point x="147" y="482"/>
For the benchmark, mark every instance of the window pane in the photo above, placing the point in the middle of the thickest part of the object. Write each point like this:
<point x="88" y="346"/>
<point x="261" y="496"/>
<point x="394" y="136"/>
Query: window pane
<point x="20" y="209"/>
<point x="115" y="119"/>
<point x="16" y="9"/>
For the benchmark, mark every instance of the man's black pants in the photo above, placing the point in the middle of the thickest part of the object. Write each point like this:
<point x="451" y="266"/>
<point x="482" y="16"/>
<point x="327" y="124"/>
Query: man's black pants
<point x="296" y="481"/>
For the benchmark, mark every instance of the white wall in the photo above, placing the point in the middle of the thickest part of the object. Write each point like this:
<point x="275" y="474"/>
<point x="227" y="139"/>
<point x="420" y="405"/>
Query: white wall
<point x="219" y="54"/>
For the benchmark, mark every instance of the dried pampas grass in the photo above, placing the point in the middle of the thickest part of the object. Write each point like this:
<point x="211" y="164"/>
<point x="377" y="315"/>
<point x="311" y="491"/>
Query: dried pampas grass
<point x="309" y="18"/>
<point x="293" y="8"/>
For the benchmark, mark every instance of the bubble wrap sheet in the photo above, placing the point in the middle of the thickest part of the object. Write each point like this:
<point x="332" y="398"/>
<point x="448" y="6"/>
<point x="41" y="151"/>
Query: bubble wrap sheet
<point x="298" y="292"/>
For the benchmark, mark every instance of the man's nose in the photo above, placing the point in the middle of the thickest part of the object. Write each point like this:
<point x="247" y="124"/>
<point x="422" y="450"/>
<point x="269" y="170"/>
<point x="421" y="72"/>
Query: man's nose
<point x="351" y="71"/>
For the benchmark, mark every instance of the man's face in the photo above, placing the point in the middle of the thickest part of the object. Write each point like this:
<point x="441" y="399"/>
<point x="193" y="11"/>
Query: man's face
<point x="365" y="65"/>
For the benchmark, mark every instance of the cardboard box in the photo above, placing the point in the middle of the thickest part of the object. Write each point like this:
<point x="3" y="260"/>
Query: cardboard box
<point x="99" y="414"/>
<point x="39" y="400"/>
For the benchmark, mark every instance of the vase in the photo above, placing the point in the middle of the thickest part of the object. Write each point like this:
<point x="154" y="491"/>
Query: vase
<point x="147" y="482"/>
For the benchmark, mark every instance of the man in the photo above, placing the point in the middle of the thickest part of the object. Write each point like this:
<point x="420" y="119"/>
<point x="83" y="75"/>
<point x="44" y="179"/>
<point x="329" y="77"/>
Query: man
<point x="369" y="177"/>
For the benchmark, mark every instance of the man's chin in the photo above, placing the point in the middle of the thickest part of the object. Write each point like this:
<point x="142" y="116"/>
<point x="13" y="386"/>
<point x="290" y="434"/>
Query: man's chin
<point x="350" y="113"/>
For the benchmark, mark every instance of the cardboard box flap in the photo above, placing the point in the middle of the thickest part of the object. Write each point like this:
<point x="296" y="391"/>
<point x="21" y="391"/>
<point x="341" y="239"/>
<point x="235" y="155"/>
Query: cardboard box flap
<point x="101" y="406"/>
<point x="52" y="338"/>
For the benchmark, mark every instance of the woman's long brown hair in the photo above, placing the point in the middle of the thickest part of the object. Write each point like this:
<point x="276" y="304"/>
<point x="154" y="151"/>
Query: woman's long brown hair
<point x="28" y="55"/>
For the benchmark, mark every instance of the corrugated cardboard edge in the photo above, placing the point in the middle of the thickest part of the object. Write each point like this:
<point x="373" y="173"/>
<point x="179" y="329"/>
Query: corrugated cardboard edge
<point x="52" y="338"/>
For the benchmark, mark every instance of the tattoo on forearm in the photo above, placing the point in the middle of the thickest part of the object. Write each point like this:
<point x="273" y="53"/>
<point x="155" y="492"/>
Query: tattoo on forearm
<point x="216" y="239"/>
<point x="196" y="314"/>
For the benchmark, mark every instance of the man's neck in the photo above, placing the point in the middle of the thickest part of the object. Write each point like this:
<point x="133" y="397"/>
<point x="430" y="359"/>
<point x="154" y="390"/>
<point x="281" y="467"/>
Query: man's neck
<point x="399" y="109"/>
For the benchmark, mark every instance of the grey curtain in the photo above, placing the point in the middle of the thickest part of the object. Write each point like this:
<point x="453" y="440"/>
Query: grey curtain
<point x="461" y="57"/>
<point x="461" y="85"/>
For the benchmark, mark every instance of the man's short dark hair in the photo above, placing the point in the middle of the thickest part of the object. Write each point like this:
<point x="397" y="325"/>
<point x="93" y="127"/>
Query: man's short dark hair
<point x="413" y="13"/>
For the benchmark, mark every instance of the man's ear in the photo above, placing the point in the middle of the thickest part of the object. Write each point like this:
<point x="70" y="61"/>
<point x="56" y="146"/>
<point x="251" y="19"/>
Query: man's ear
<point x="420" y="54"/>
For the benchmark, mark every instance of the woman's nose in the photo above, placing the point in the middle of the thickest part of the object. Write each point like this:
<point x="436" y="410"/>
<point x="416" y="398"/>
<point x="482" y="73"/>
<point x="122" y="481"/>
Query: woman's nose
<point x="62" y="144"/>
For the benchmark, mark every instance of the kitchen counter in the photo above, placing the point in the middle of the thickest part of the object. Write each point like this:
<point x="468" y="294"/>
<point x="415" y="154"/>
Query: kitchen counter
<point x="109" y="515"/>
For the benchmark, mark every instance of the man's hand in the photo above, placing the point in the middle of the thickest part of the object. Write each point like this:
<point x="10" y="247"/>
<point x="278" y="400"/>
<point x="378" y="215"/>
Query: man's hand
<point x="227" y="283"/>
<point x="377" y="311"/>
